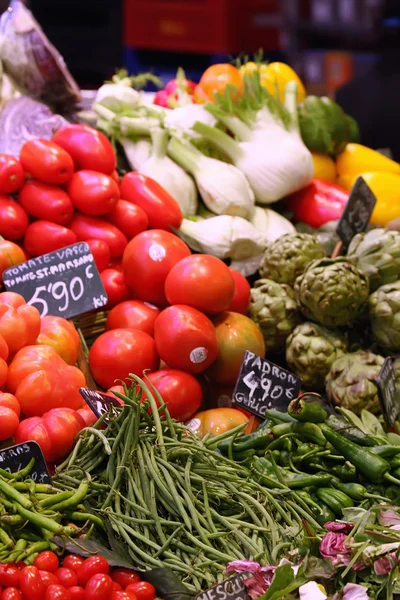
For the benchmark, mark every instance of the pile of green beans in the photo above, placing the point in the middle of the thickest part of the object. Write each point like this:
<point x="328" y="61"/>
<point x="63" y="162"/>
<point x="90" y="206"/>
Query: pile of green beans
<point x="174" y="500"/>
<point x="32" y="513"/>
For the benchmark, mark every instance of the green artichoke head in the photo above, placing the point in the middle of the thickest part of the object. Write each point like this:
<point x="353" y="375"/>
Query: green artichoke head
<point x="274" y="309"/>
<point x="351" y="382"/>
<point x="287" y="257"/>
<point x="377" y="253"/>
<point x="310" y="352"/>
<point x="332" y="292"/>
<point x="384" y="313"/>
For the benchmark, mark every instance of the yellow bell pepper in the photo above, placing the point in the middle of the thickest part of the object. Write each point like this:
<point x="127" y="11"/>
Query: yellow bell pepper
<point x="386" y="187"/>
<point x="357" y="159"/>
<point x="216" y="421"/>
<point x="324" y="167"/>
<point x="274" y="76"/>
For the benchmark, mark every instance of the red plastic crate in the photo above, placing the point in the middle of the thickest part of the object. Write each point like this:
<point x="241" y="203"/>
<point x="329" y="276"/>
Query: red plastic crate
<point x="204" y="26"/>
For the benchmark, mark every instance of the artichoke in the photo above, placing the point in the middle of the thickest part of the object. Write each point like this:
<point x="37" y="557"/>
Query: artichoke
<point x="310" y="352"/>
<point x="274" y="310"/>
<point x="351" y="382"/>
<point x="331" y="291"/>
<point x="384" y="313"/>
<point x="288" y="256"/>
<point x="377" y="253"/>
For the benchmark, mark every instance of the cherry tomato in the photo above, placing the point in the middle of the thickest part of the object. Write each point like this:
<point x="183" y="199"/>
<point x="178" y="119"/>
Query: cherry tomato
<point x="124" y="576"/>
<point x="241" y="299"/>
<point x="13" y="219"/>
<point x="133" y="314"/>
<point x="42" y="237"/>
<point x="10" y="401"/>
<point x="93" y="193"/>
<point x="116" y="353"/>
<point x="48" y="578"/>
<point x="56" y="592"/>
<point x="9" y="576"/>
<point x="86" y="228"/>
<point x="47" y="162"/>
<point x="201" y="281"/>
<point x="44" y="201"/>
<point x="115" y="285"/>
<point x="11" y="593"/>
<point x="99" y="587"/>
<point x="161" y="208"/>
<point x="12" y="174"/>
<point x="91" y="566"/>
<point x="143" y="590"/>
<point x="46" y="561"/>
<point x="67" y="577"/>
<point x="148" y="259"/>
<point x="181" y="392"/>
<point x="185" y="339"/>
<point x="31" y="584"/>
<point x="73" y="561"/>
<point x="118" y="595"/>
<point x="129" y="218"/>
<point x="76" y="592"/>
<point x="10" y="255"/>
<point x="101" y="253"/>
<point x="89" y="148"/>
<point x="9" y="422"/>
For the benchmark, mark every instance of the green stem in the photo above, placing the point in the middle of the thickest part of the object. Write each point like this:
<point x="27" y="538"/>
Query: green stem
<point x="220" y="139"/>
<point x="136" y="126"/>
<point x="291" y="105"/>
<point x="186" y="155"/>
<point x="159" y="138"/>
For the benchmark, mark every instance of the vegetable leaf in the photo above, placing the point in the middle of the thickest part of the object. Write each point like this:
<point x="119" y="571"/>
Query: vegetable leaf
<point x="88" y="548"/>
<point x="283" y="577"/>
<point x="168" y="585"/>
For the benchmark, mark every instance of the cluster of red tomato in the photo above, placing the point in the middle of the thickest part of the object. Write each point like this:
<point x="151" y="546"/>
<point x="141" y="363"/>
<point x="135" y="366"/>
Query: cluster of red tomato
<point x="77" y="579"/>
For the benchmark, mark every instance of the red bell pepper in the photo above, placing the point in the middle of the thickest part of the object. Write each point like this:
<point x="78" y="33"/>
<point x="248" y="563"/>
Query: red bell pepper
<point x="318" y="203"/>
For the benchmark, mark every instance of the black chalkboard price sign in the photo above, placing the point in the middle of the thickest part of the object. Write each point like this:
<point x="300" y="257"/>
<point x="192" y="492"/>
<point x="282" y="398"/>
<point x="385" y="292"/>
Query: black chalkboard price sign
<point x="262" y="385"/>
<point x="357" y="213"/>
<point x="15" y="458"/>
<point x="230" y="589"/>
<point x="98" y="402"/>
<point x="64" y="283"/>
<point x="389" y="394"/>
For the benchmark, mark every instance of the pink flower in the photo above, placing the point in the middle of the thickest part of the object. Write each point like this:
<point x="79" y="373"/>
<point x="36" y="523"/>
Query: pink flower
<point x="258" y="584"/>
<point x="338" y="526"/>
<point x="332" y="546"/>
<point x="389" y="518"/>
<point x="384" y="565"/>
<point x="352" y="591"/>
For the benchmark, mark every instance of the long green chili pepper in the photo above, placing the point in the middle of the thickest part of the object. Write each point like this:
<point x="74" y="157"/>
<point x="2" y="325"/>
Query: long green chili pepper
<point x="19" y="474"/>
<point x="309" y="431"/>
<point x="310" y="411"/>
<point x="335" y="499"/>
<point x="387" y="451"/>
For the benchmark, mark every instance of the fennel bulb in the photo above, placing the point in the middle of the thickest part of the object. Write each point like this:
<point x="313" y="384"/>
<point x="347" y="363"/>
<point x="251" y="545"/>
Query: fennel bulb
<point x="271" y="224"/>
<point x="223" y="188"/>
<point x="223" y="236"/>
<point x="181" y="120"/>
<point x="137" y="153"/>
<point x="269" y="148"/>
<point x="247" y="266"/>
<point x="118" y="97"/>
<point x="168" y="174"/>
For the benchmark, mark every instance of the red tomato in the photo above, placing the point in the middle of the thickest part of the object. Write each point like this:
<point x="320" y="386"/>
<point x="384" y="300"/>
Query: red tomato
<point x="119" y="595"/>
<point x="67" y="577"/>
<point x="148" y="259"/>
<point x="34" y="429"/>
<point x="44" y="201"/>
<point x="129" y="218"/>
<point x="19" y="322"/>
<point x="89" y="148"/>
<point x="93" y="193"/>
<point x="114" y="175"/>
<point x="133" y="314"/>
<point x="161" y="208"/>
<point x="99" y="587"/>
<point x="181" y="392"/>
<point x="116" y="587"/>
<point x="201" y="281"/>
<point x="101" y="253"/>
<point x="91" y="566"/>
<point x="61" y="335"/>
<point x="4" y="350"/>
<point x="12" y="175"/>
<point x="115" y="354"/>
<point x="115" y="286"/>
<point x="13" y="219"/>
<point x="48" y="578"/>
<point x="76" y="593"/>
<point x="8" y="423"/>
<point x="124" y="576"/>
<point x="87" y="228"/>
<point x="42" y="237"/>
<point x="241" y="299"/>
<point x="9" y="576"/>
<point x="31" y="584"/>
<point x="73" y="561"/>
<point x="11" y="593"/>
<point x="56" y="592"/>
<point x="10" y="255"/>
<point x="46" y="561"/>
<point x="143" y="590"/>
<point x="47" y="162"/>
<point x="10" y="401"/>
<point x="87" y="415"/>
<point x="185" y="339"/>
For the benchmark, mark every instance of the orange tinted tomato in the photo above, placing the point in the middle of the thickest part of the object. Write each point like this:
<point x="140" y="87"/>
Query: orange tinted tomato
<point x="217" y="77"/>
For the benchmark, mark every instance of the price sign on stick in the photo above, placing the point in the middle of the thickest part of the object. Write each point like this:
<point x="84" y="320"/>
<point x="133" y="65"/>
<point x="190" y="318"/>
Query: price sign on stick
<point x="98" y="402"/>
<point x="15" y="458"/>
<point x="357" y="213"/>
<point x="230" y="589"/>
<point x="64" y="283"/>
<point x="389" y="393"/>
<point x="262" y="385"/>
